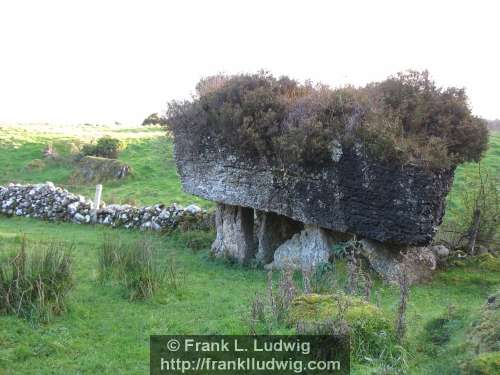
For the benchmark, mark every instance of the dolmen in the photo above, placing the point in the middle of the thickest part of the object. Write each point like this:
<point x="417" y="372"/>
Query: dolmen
<point x="296" y="168"/>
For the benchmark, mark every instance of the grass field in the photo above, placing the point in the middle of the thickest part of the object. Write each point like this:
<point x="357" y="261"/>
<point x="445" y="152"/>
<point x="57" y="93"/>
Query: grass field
<point x="490" y="163"/>
<point x="103" y="333"/>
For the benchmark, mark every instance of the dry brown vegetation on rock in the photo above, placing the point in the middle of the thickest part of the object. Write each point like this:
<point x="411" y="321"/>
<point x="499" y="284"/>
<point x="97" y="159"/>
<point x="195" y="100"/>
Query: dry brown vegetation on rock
<point x="404" y="119"/>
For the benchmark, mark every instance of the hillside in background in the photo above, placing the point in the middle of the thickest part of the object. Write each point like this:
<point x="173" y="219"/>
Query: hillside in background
<point x="146" y="149"/>
<point x="494" y="125"/>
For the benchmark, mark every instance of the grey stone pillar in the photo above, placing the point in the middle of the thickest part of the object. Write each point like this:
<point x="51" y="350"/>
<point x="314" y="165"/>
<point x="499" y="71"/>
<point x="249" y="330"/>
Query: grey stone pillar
<point x="305" y="250"/>
<point x="235" y="233"/>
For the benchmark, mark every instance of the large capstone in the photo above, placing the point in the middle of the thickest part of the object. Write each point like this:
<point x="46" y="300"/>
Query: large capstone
<point x="235" y="233"/>
<point x="352" y="193"/>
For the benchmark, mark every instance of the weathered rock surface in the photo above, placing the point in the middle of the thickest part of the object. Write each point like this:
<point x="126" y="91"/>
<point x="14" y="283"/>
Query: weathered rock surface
<point x="417" y="263"/>
<point x="235" y="233"/>
<point x="49" y="202"/>
<point x="354" y="194"/>
<point x="271" y="231"/>
<point x="305" y="250"/>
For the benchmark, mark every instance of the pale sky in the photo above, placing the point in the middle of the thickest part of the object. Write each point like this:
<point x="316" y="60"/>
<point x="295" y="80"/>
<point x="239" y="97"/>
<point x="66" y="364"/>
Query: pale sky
<point x="104" y="61"/>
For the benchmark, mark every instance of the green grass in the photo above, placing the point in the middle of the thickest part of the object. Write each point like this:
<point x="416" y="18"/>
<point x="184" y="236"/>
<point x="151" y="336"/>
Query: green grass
<point x="103" y="333"/>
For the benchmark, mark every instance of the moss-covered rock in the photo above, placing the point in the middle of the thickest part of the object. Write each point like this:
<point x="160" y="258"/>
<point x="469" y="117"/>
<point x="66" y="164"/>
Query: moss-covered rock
<point x="370" y="330"/>
<point x="316" y="307"/>
<point x="483" y="364"/>
<point x="93" y="169"/>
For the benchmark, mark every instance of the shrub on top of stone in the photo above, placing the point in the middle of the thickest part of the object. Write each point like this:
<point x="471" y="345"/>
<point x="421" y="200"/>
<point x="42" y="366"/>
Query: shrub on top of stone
<point x="405" y="119"/>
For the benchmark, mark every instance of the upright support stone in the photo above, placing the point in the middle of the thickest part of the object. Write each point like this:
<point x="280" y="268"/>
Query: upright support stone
<point x="418" y="263"/>
<point x="235" y="233"/>
<point x="305" y="250"/>
<point x="272" y="231"/>
<point x="97" y="203"/>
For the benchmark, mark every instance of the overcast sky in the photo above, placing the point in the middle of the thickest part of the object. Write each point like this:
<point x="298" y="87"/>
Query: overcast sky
<point x="102" y="61"/>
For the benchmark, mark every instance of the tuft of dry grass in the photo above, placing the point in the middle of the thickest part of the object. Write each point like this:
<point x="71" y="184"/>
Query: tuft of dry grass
<point x="34" y="284"/>
<point x="136" y="267"/>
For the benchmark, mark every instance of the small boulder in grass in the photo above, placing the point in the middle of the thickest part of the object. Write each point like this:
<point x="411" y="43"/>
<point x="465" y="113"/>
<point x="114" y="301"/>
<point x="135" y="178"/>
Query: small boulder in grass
<point x="441" y="251"/>
<point x="418" y="263"/>
<point x="193" y="209"/>
<point x="320" y="307"/>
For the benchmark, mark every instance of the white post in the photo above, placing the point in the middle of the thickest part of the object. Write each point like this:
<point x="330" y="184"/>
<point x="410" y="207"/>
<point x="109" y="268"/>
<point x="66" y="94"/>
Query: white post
<point x="97" y="202"/>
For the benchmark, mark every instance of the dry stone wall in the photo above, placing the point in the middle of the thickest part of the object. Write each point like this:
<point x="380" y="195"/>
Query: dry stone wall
<point x="49" y="202"/>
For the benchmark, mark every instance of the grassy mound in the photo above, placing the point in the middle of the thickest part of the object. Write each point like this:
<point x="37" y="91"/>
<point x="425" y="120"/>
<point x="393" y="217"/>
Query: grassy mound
<point x="484" y="340"/>
<point x="370" y="330"/>
<point x="309" y="307"/>
<point x="36" y="165"/>
<point x="485" y="332"/>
